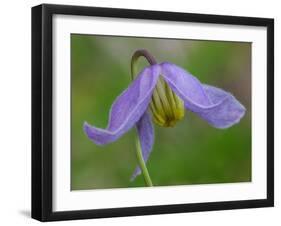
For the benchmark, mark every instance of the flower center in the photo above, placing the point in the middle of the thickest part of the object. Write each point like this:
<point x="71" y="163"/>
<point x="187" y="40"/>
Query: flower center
<point x="166" y="107"/>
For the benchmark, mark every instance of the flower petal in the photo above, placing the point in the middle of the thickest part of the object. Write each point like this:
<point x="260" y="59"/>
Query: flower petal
<point x="146" y="136"/>
<point x="228" y="110"/>
<point x="127" y="108"/>
<point x="216" y="106"/>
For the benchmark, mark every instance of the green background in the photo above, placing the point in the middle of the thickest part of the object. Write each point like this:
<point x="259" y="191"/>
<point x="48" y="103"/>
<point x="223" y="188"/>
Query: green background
<point x="192" y="152"/>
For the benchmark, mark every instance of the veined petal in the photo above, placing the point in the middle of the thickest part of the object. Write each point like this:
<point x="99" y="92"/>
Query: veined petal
<point x="216" y="106"/>
<point x="228" y="110"/>
<point x="186" y="86"/>
<point x="146" y="136"/>
<point x="127" y="108"/>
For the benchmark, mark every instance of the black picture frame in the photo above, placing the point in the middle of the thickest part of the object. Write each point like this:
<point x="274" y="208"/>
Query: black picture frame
<point x="42" y="107"/>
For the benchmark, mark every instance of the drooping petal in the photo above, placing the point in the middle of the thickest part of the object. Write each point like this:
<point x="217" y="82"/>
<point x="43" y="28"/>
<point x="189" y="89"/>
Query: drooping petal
<point x="229" y="109"/>
<point x="216" y="106"/>
<point x="146" y="136"/>
<point x="127" y="108"/>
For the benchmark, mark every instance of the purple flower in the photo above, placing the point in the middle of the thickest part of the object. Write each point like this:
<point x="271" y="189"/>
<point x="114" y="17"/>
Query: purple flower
<point x="164" y="90"/>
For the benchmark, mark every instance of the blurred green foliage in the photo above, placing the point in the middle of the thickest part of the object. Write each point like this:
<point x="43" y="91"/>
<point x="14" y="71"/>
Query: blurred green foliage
<point x="192" y="152"/>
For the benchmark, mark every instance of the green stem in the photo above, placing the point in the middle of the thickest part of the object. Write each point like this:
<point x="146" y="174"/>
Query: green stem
<point x="142" y="164"/>
<point x="151" y="60"/>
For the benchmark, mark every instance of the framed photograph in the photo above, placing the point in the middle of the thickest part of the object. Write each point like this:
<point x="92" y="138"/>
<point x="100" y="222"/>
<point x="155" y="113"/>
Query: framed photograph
<point x="146" y="112"/>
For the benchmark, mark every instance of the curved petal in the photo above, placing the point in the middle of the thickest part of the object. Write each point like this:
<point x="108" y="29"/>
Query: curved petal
<point x="146" y="136"/>
<point x="127" y="108"/>
<point x="228" y="112"/>
<point x="216" y="106"/>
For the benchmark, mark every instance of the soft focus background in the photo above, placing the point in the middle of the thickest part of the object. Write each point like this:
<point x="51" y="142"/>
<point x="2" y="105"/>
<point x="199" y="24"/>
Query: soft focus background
<point x="192" y="152"/>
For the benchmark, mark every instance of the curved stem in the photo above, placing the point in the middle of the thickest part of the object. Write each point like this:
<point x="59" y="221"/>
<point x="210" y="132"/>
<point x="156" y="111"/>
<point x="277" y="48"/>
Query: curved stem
<point x="138" y="53"/>
<point x="142" y="164"/>
<point x="151" y="60"/>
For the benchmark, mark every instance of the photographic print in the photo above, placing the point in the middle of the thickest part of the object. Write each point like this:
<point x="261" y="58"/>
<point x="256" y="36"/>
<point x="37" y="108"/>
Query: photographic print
<point x="159" y="112"/>
<point x="139" y="112"/>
